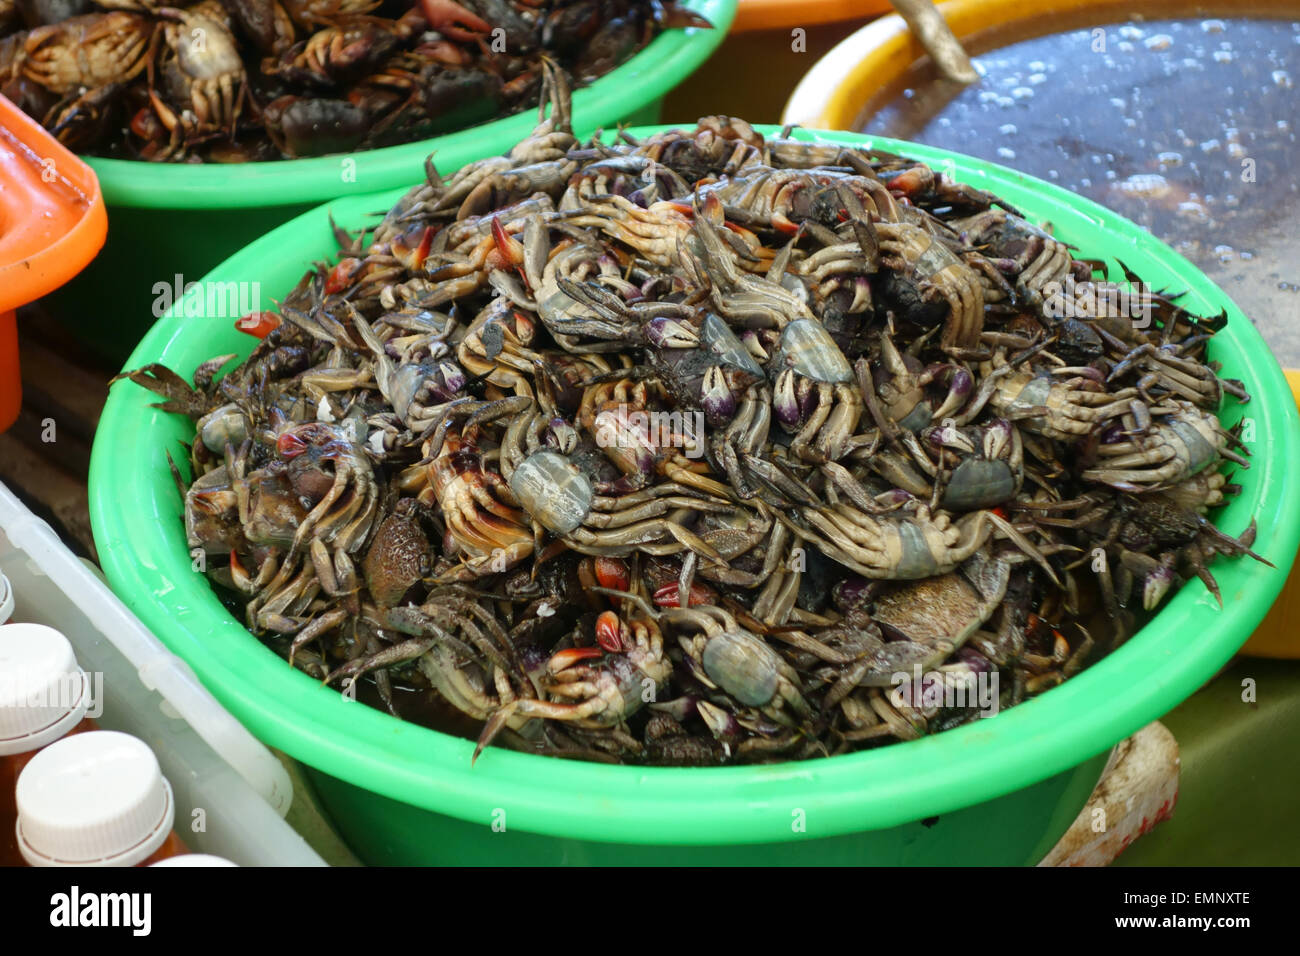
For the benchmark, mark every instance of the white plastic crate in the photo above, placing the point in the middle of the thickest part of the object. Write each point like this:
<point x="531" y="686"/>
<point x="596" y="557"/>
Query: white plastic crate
<point x="214" y="764"/>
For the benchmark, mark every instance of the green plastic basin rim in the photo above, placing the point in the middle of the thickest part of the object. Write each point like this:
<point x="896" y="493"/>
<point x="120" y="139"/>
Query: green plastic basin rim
<point x="645" y="78"/>
<point x="135" y="512"/>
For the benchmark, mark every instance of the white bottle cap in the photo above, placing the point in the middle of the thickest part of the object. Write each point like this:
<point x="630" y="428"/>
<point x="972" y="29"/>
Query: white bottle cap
<point x="43" y="693"/>
<point x="6" y="598"/>
<point x="93" y="799"/>
<point x="193" y="859"/>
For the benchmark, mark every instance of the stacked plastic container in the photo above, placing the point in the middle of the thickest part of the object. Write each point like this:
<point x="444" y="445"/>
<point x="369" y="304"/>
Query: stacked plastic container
<point x="175" y="759"/>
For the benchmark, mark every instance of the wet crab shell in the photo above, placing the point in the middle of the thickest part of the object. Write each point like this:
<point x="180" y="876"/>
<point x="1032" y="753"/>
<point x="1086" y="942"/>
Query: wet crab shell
<point x="275" y="511"/>
<point x="979" y="483"/>
<point x="407" y="382"/>
<point x="929" y="619"/>
<point x="743" y="666"/>
<point x="807" y="348"/>
<point x="211" y="513"/>
<point x="552" y="490"/>
<point x="223" y="426"/>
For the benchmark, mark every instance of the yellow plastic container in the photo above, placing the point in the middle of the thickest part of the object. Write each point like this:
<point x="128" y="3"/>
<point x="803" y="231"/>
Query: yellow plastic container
<point x="1279" y="634"/>
<point x="838" y="89"/>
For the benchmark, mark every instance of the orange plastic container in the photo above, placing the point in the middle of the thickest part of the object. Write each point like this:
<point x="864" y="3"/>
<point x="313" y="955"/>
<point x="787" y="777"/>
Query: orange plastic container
<point x="52" y="222"/>
<point x="787" y="14"/>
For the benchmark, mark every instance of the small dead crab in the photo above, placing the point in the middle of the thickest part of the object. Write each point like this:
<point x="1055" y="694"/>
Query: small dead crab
<point x="1187" y="442"/>
<point x="813" y="392"/>
<point x="925" y="271"/>
<point x="596" y="687"/>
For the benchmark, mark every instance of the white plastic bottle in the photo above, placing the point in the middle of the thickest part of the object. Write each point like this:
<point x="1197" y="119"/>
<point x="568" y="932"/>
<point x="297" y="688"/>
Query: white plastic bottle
<point x="96" y="799"/>
<point x="44" y="696"/>
<point x="194" y="859"/>
<point x="6" y="598"/>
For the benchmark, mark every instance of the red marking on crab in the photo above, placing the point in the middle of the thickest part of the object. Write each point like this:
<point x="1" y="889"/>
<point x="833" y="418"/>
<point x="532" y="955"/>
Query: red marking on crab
<point x="296" y="440"/>
<point x="290" y="445"/>
<point x="258" y="324"/>
<point x="145" y="124"/>
<point x="667" y="595"/>
<point x="612" y="573"/>
<point x="609" y="632"/>
<point x="341" y="276"/>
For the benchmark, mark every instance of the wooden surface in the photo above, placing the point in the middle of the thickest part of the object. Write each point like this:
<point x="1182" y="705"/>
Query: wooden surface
<point x="45" y="456"/>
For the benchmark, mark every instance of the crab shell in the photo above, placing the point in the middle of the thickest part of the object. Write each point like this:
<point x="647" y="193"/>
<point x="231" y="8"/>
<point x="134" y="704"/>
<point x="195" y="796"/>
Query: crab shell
<point x="743" y="666"/>
<point x="935" y="616"/>
<point x="552" y="490"/>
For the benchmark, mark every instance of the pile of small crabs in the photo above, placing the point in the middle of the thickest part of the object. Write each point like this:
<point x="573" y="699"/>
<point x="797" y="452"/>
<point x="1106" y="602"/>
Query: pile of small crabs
<point x="691" y="449"/>
<point x="249" y="80"/>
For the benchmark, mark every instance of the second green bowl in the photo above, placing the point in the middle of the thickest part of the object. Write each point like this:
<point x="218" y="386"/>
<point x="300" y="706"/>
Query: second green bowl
<point x="171" y="223"/>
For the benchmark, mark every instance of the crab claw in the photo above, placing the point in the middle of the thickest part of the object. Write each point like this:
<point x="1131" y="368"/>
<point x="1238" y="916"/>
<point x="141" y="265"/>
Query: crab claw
<point x="290" y="445"/>
<point x="781" y="224"/>
<point x="667" y="595"/>
<point x="669" y="333"/>
<point x="341" y="276"/>
<point x="509" y="251"/>
<point x="562" y="660"/>
<point x="609" y="632"/>
<point x="562" y="436"/>
<point x="258" y="324"/>
<point x="447" y="382"/>
<point x="452" y="20"/>
<point x="612" y="573"/>
<point x="793" y="400"/>
<point x="413" y="246"/>
<point x="239" y="574"/>
<point x="294" y="441"/>
<point x="1155" y="586"/>
<point x="911" y="181"/>
<point x="713" y="211"/>
<point x="784" y="401"/>
<point x="716" y="397"/>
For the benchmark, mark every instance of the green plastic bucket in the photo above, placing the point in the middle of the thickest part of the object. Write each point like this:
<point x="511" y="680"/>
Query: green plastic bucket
<point x="171" y="219"/>
<point x="1003" y="789"/>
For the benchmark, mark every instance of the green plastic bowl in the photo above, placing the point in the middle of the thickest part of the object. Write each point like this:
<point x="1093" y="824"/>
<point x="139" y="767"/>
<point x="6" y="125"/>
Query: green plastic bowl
<point x="1002" y="789"/>
<point x="170" y="219"/>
